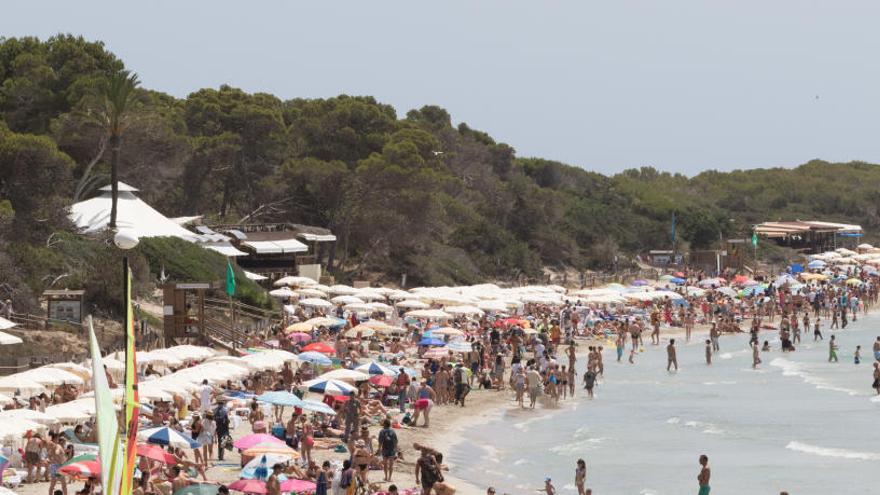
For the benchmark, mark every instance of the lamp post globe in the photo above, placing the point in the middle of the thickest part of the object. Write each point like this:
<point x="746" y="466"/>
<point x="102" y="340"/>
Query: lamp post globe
<point x="126" y="239"/>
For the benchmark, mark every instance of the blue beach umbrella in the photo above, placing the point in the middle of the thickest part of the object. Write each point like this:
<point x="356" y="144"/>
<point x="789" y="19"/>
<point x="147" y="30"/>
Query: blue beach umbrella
<point x="374" y="368"/>
<point x="318" y="407"/>
<point x="166" y="436"/>
<point x="315" y="358"/>
<point x="677" y="280"/>
<point x="428" y="341"/>
<point x="329" y="386"/>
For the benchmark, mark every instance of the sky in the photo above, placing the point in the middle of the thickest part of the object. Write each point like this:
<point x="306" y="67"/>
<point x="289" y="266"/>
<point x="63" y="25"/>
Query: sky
<point x="680" y="85"/>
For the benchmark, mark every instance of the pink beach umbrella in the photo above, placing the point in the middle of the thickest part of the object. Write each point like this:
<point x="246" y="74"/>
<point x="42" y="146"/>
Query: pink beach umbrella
<point x="299" y="337"/>
<point x="249" y="441"/>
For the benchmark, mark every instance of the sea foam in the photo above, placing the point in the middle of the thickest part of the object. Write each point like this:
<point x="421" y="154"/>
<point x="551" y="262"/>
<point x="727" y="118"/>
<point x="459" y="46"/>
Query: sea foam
<point x="832" y="452"/>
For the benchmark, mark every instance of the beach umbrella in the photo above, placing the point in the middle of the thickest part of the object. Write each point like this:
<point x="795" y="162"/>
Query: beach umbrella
<point x="302" y="326"/>
<point x="295" y="281"/>
<point x="282" y="293"/>
<point x="374" y="368"/>
<point x="465" y="309"/>
<point x="459" y="346"/>
<point x="360" y="331"/>
<point x="329" y="386"/>
<point x="677" y="281"/>
<point x="369" y="295"/>
<point x="321" y="347"/>
<point x="253" y="439"/>
<point x="271" y="448"/>
<point x="429" y="341"/>
<point x="854" y="281"/>
<point x="666" y="278"/>
<point x="432" y="314"/>
<point x="280" y="398"/>
<point x="26" y="387"/>
<point x="316" y="303"/>
<point x="380" y="307"/>
<point x="311" y="293"/>
<point x="325" y="321"/>
<point x="412" y="304"/>
<point x="358" y="308"/>
<point x="75" y="411"/>
<point x="166" y="436"/>
<point x="317" y="406"/>
<point x="435" y="353"/>
<point x="248" y="486"/>
<point x="447" y="331"/>
<point x="816" y="265"/>
<point x="258" y="468"/>
<point x="492" y="305"/>
<point x="381" y="381"/>
<point x="297" y="486"/>
<point x="28" y="415"/>
<point x="155" y="453"/>
<point x="346" y="375"/>
<point x="639" y="282"/>
<point x="315" y="358"/>
<point x="299" y="337"/>
<point x="198" y="489"/>
<point x="9" y="339"/>
<point x="342" y="290"/>
<point x="346" y="299"/>
<point x="83" y="468"/>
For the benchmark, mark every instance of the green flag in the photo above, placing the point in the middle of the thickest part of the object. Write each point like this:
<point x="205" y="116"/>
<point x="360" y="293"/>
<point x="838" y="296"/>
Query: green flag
<point x="230" y="279"/>
<point x="755" y="239"/>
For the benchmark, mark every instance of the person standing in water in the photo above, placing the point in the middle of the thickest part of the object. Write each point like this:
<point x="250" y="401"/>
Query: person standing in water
<point x="580" y="476"/>
<point x="832" y="350"/>
<point x="708" y="352"/>
<point x="857" y="356"/>
<point x="876" y="384"/>
<point x="703" y="477"/>
<point x="817" y="332"/>
<point x="713" y="336"/>
<point x="877" y="349"/>
<point x="671" y="359"/>
<point x="756" y="355"/>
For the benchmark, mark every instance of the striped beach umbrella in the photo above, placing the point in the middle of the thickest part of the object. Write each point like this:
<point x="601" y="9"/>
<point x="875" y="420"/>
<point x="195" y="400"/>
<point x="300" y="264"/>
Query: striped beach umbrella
<point x="330" y="386"/>
<point x="374" y="368"/>
<point x="166" y="436"/>
<point x="83" y="468"/>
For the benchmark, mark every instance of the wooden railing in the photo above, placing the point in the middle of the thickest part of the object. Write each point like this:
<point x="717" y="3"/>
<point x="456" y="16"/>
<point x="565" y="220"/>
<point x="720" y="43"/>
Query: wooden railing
<point x="36" y="322"/>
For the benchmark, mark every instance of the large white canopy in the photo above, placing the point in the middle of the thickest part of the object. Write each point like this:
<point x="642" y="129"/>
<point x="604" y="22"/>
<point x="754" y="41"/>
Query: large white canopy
<point x="93" y="215"/>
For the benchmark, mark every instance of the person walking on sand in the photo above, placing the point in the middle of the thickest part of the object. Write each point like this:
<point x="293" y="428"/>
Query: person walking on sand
<point x="832" y="350"/>
<point x="671" y="360"/>
<point x="703" y="477"/>
<point x="756" y="355"/>
<point x="580" y="476"/>
<point x="708" y="352"/>
<point x="388" y="448"/>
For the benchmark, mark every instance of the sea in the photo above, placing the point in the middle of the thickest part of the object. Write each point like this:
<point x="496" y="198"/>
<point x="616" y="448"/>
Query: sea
<point x="796" y="423"/>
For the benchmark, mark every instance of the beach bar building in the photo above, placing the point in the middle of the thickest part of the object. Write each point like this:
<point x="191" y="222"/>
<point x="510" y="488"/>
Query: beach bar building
<point x="811" y="236"/>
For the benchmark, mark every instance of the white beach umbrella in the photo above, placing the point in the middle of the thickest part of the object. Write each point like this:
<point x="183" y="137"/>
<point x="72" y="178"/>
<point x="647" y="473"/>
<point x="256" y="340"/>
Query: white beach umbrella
<point x="13" y="384"/>
<point x="464" y="310"/>
<point x="5" y="324"/>
<point x="11" y="432"/>
<point x="316" y="303"/>
<point x="346" y="299"/>
<point x="399" y="295"/>
<point x="492" y="305"/>
<point x="51" y="376"/>
<point x="311" y="293"/>
<point x="412" y="304"/>
<point x="380" y="307"/>
<point x="282" y="293"/>
<point x="345" y="375"/>
<point x="76" y="411"/>
<point x="361" y="330"/>
<point x="9" y="339"/>
<point x="191" y="352"/>
<point x="28" y="415"/>
<point x="432" y="314"/>
<point x="343" y="290"/>
<point x="369" y="295"/>
<point x="358" y="308"/>
<point x="293" y="281"/>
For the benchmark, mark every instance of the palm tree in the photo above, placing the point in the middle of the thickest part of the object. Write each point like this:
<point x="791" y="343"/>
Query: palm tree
<point x="117" y="100"/>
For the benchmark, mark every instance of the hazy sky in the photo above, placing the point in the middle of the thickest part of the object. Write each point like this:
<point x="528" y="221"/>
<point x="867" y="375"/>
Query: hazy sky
<point x="606" y="85"/>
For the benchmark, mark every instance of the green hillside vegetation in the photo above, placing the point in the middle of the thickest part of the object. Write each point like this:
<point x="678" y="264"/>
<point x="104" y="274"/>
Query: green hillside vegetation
<point x="411" y="194"/>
